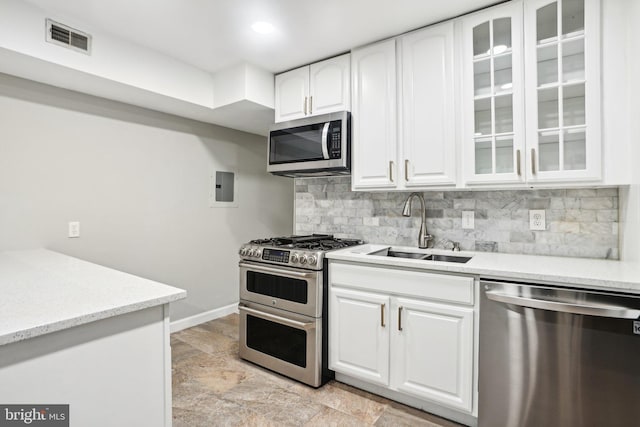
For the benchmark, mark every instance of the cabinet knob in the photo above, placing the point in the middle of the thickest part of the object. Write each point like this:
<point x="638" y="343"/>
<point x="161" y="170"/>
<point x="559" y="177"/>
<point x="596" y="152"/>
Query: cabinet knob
<point x="304" y="105"/>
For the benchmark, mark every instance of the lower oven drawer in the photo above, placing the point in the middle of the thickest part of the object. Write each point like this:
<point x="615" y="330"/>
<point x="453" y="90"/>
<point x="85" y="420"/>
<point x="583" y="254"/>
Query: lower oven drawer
<point x="284" y="342"/>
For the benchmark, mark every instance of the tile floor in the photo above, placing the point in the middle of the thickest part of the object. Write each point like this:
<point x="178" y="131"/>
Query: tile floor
<point x="213" y="387"/>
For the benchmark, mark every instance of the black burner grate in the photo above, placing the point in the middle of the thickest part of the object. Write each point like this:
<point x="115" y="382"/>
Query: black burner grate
<point x="319" y="242"/>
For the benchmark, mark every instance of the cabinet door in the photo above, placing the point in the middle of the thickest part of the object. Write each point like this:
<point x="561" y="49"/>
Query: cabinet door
<point x="292" y="94"/>
<point x="562" y="46"/>
<point x="373" y="116"/>
<point x="493" y="104"/>
<point x="432" y="352"/>
<point x="359" y="334"/>
<point x="330" y="85"/>
<point x="428" y="137"/>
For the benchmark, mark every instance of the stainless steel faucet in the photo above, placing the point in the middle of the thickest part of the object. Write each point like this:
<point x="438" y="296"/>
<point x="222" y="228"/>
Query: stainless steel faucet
<point x="423" y="237"/>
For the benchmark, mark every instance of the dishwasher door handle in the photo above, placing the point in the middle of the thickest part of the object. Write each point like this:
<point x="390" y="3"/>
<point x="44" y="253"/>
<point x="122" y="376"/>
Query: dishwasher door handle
<point x="603" y="310"/>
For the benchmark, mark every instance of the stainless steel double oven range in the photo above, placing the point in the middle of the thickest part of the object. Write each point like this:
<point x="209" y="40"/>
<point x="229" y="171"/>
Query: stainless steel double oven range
<point x="283" y="305"/>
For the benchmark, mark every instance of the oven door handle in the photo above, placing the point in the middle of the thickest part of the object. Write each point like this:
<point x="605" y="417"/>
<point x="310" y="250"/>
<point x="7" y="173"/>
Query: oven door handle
<point x="277" y="271"/>
<point x="283" y="320"/>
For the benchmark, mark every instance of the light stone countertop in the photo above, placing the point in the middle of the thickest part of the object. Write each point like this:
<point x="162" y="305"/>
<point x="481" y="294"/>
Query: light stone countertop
<point x="575" y="272"/>
<point x="42" y="291"/>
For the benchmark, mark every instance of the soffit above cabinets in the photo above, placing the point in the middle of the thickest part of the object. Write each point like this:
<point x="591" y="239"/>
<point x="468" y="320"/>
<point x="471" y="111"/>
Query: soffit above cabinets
<point x="199" y="60"/>
<point x="213" y="35"/>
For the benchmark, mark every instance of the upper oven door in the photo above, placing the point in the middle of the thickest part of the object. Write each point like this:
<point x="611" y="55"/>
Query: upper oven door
<point x="314" y="143"/>
<point x="290" y="289"/>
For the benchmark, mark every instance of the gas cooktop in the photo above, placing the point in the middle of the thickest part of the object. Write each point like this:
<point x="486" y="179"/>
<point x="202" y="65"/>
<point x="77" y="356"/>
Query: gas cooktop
<point x="296" y="251"/>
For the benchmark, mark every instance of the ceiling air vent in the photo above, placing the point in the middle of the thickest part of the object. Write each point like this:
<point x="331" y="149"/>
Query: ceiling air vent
<point x="68" y="37"/>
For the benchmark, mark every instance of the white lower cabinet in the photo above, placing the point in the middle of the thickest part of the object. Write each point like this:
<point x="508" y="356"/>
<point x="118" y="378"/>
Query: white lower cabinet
<point x="408" y="331"/>
<point x="432" y="352"/>
<point x="360" y="341"/>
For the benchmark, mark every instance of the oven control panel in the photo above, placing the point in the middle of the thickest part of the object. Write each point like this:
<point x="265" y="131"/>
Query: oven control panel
<point x="275" y="255"/>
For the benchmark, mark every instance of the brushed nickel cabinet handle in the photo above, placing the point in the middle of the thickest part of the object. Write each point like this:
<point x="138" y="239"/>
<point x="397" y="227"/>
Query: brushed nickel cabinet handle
<point x="406" y="170"/>
<point x="391" y="170"/>
<point x="518" y="162"/>
<point x="382" y="315"/>
<point x="400" y="318"/>
<point x="311" y="104"/>
<point x="533" y="161"/>
<point x="305" y="105"/>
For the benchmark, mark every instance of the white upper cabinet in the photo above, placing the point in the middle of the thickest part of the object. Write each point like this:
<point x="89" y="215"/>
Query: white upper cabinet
<point x="558" y="139"/>
<point x="329" y="86"/>
<point x="493" y="140"/>
<point x="292" y="91"/>
<point x="562" y="58"/>
<point x="510" y="97"/>
<point x="427" y="133"/>
<point x="320" y="88"/>
<point x="421" y="151"/>
<point x="373" y="124"/>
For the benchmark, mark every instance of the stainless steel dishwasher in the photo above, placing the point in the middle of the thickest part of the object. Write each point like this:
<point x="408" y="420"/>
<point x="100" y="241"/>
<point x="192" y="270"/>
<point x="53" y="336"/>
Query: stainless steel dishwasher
<point x="558" y="357"/>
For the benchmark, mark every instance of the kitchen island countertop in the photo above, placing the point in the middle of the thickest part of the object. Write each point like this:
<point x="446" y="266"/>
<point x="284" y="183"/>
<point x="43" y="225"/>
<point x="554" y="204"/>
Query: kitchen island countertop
<point x="45" y="291"/>
<point x="598" y="274"/>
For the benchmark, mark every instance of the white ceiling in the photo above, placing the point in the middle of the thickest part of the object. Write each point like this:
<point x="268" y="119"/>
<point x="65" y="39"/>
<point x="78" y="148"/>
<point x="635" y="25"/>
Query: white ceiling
<point x="214" y="34"/>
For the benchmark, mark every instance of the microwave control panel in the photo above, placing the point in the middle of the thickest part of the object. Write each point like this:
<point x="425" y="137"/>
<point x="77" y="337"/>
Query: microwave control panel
<point x="335" y="140"/>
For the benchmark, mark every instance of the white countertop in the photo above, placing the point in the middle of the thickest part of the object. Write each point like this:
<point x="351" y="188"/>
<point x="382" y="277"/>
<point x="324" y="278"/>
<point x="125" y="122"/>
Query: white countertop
<point x="44" y="291"/>
<point x="576" y="272"/>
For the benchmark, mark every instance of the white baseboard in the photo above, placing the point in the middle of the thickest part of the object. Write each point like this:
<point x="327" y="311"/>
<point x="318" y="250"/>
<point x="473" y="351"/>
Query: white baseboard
<point x="199" y="318"/>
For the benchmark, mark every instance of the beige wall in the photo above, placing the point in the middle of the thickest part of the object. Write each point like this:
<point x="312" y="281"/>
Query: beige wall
<point x="138" y="182"/>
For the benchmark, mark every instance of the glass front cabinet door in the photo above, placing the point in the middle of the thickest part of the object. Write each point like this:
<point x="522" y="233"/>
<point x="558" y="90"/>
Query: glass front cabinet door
<point x="531" y="93"/>
<point x="562" y="59"/>
<point x="493" y="95"/>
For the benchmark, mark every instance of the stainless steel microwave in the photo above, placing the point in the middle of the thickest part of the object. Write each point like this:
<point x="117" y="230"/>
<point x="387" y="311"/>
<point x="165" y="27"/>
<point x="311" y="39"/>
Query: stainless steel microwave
<point x="313" y="146"/>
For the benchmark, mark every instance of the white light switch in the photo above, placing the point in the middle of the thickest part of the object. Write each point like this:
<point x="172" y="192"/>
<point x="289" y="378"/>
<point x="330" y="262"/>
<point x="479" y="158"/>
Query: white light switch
<point x="468" y="219"/>
<point x="537" y="220"/>
<point x="74" y="229"/>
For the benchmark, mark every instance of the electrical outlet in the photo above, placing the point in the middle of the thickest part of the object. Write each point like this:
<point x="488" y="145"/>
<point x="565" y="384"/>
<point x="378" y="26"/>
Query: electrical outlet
<point x="537" y="220"/>
<point x="74" y="229"/>
<point x="468" y="219"/>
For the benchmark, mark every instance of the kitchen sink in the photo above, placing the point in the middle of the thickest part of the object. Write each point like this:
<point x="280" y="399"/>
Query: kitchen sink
<point x="422" y="256"/>
<point x="398" y="254"/>
<point x="447" y="258"/>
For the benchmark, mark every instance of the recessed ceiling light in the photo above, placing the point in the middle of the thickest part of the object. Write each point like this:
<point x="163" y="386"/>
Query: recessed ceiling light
<point x="262" y="27"/>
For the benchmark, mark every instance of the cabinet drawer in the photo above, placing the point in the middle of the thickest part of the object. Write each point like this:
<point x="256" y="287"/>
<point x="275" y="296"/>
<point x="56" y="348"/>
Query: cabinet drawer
<point x="433" y="286"/>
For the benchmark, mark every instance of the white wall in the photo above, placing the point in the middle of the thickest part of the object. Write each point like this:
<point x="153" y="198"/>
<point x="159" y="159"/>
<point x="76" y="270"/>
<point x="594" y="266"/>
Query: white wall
<point x="138" y="182"/>
<point x="22" y="29"/>
<point x="630" y="197"/>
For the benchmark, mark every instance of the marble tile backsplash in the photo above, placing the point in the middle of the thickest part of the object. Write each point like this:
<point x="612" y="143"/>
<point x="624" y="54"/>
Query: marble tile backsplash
<point x="579" y="222"/>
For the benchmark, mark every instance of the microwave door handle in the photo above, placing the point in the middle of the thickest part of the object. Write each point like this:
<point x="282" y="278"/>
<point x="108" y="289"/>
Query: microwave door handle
<point x="325" y="141"/>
